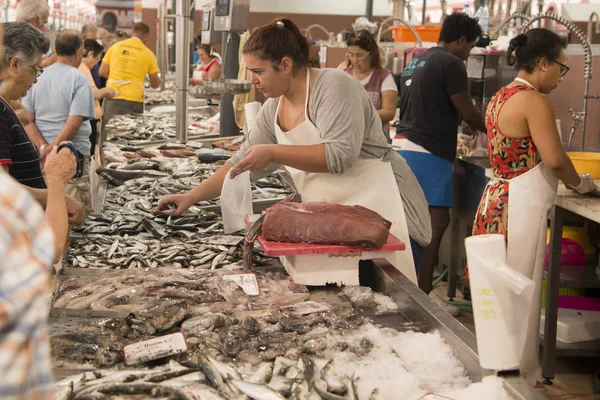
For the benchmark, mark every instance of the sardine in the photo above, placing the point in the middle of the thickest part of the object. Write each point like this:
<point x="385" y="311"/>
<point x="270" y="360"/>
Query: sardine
<point x="257" y="392"/>
<point x="263" y="375"/>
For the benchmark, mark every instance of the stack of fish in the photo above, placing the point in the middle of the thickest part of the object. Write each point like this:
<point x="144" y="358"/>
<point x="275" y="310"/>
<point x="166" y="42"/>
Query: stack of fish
<point x="130" y="234"/>
<point x="156" y="247"/>
<point x="157" y="97"/>
<point x="333" y="354"/>
<point x="133" y="130"/>
<point x="120" y="154"/>
<point x="148" y="289"/>
<point x="127" y="195"/>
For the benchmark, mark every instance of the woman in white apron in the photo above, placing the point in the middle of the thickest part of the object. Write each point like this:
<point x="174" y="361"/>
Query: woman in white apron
<point x="322" y="126"/>
<point x="527" y="159"/>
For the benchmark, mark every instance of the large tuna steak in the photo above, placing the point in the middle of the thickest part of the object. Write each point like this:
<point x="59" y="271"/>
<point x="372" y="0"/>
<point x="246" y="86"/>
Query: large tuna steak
<point x="325" y="223"/>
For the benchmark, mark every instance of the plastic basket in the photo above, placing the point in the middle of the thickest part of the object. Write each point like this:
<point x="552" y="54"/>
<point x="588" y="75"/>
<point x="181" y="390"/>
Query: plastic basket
<point x="428" y="33"/>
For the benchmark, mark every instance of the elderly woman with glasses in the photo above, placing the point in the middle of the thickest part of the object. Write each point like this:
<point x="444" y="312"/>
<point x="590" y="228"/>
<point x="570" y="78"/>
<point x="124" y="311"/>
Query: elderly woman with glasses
<point x="527" y="160"/>
<point x="24" y="47"/>
<point x="364" y="63"/>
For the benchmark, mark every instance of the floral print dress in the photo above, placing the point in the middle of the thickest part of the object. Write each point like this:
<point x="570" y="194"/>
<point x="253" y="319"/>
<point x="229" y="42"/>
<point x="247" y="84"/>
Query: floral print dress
<point x="509" y="158"/>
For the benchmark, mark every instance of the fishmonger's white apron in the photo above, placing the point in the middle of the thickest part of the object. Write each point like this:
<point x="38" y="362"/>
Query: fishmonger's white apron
<point x="530" y="197"/>
<point x="369" y="183"/>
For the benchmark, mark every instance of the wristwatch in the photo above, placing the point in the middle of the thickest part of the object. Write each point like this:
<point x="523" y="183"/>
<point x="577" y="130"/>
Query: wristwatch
<point x="80" y="159"/>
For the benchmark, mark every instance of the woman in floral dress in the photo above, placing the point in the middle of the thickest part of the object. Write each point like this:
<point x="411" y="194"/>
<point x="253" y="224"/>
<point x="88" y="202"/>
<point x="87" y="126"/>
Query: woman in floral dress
<point x="521" y="127"/>
<point x="522" y="134"/>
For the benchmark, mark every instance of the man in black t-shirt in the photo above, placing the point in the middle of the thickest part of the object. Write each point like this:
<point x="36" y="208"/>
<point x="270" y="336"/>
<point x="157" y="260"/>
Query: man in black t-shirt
<point x="433" y="96"/>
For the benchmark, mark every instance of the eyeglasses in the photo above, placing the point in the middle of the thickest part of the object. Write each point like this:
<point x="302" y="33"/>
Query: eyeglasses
<point x="358" y="56"/>
<point x="38" y="71"/>
<point x="563" y="68"/>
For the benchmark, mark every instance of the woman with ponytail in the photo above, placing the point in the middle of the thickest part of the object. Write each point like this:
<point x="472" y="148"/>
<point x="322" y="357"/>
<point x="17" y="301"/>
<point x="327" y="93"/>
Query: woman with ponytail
<point x="527" y="160"/>
<point x="321" y="125"/>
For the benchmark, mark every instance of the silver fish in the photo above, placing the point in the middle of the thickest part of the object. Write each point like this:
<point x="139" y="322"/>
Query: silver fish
<point x="257" y="392"/>
<point x="113" y="248"/>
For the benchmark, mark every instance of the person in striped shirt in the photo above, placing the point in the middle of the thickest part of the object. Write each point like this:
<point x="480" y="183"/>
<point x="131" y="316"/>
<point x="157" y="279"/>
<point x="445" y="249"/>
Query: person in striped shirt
<point x="24" y="46"/>
<point x="29" y="245"/>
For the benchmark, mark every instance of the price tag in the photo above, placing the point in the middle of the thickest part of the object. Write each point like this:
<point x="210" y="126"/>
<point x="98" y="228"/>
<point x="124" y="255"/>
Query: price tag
<point x="225" y="240"/>
<point x="475" y="66"/>
<point x="155" y="348"/>
<point x="306" y="307"/>
<point x="247" y="282"/>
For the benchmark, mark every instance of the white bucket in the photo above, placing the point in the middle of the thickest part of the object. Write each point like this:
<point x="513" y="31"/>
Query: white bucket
<point x="501" y="300"/>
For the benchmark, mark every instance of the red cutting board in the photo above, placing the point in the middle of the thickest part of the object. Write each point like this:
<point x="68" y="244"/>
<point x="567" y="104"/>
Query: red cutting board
<point x="275" y="249"/>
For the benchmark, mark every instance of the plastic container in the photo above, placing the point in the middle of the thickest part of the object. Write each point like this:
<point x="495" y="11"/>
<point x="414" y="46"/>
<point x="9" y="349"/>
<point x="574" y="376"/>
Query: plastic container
<point x="571" y="253"/>
<point x="428" y="33"/>
<point x="586" y="163"/>
<point x="577" y="234"/>
<point x="562" y="294"/>
<point x="483" y="16"/>
<point x="574" y="326"/>
<point x="467" y="10"/>
<point x="579" y="303"/>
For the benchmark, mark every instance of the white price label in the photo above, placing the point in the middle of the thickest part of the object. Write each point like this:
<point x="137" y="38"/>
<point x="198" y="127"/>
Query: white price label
<point x="306" y="307"/>
<point x="226" y="240"/>
<point x="475" y="66"/>
<point x="247" y="282"/>
<point x="155" y="348"/>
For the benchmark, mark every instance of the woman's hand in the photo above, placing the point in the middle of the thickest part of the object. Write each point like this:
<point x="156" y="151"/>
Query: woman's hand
<point x="181" y="202"/>
<point x="586" y="185"/>
<point x="257" y="158"/>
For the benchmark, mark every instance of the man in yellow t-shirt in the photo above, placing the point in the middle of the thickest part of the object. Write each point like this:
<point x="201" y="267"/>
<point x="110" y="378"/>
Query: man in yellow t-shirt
<point x="126" y="65"/>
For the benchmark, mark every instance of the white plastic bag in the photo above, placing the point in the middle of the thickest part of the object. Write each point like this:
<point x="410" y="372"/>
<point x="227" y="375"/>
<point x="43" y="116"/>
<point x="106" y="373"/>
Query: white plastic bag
<point x="502" y="299"/>
<point x="236" y="202"/>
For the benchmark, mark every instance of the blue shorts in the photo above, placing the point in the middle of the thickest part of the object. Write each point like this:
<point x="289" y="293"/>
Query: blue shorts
<point x="435" y="175"/>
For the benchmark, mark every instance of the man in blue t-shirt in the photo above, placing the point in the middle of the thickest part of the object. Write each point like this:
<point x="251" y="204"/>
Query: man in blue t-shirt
<point x="60" y="106"/>
<point x="434" y="95"/>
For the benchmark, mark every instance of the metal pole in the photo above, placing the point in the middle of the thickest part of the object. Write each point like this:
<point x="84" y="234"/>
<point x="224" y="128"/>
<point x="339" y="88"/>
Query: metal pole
<point x="172" y="49"/>
<point x="423" y="12"/>
<point x="398" y="9"/>
<point x="192" y="44"/>
<point x="162" y="42"/>
<point x="585" y="106"/>
<point x="227" y="124"/>
<point x="182" y="62"/>
<point x="444" y="5"/>
<point x="369" y="13"/>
